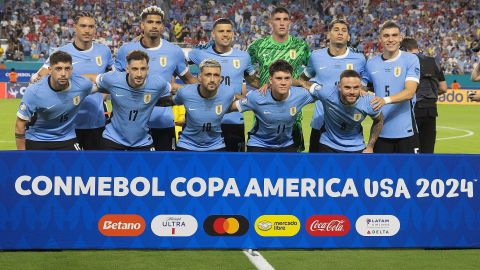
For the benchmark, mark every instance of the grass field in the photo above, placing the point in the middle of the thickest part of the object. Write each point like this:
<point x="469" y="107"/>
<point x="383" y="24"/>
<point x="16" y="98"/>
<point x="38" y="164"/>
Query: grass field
<point x="458" y="132"/>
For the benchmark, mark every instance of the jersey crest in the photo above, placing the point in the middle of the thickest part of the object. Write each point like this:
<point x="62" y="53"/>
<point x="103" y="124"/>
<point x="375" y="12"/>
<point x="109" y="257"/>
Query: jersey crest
<point x="147" y="98"/>
<point x="349" y="66"/>
<point x="293" y="54"/>
<point x="98" y="60"/>
<point x="357" y="116"/>
<point x="293" y="110"/>
<point x="163" y="61"/>
<point x="397" y="71"/>
<point x="76" y="100"/>
<point x="218" y="109"/>
<point x="236" y="63"/>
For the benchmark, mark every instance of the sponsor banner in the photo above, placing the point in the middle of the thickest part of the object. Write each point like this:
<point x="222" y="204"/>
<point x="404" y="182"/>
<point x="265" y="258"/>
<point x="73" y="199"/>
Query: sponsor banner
<point x="22" y="75"/>
<point x="457" y="96"/>
<point x="109" y="200"/>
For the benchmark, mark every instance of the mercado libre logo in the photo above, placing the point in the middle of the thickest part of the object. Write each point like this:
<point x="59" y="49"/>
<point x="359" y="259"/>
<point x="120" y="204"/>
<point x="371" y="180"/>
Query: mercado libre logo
<point x="121" y="225"/>
<point x="226" y="225"/>
<point x="277" y="225"/>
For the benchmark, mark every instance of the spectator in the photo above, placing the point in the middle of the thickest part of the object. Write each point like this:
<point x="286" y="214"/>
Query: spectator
<point x="455" y="85"/>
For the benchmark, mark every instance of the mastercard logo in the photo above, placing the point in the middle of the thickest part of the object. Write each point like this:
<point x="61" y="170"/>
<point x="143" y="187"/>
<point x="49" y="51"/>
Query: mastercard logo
<point x="223" y="225"/>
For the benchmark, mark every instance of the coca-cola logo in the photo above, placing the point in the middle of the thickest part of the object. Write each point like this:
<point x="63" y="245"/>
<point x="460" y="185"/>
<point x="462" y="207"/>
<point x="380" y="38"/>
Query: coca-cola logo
<point x="328" y="225"/>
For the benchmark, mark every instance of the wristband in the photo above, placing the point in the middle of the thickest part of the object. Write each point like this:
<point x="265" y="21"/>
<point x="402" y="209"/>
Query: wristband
<point x="313" y="88"/>
<point x="20" y="135"/>
<point x="387" y="100"/>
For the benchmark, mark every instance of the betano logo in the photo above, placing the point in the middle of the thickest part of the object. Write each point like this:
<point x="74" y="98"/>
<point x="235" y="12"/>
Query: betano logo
<point x="223" y="225"/>
<point x="277" y="225"/>
<point x="377" y="225"/>
<point x="174" y="225"/>
<point x="121" y="225"/>
<point x="328" y="225"/>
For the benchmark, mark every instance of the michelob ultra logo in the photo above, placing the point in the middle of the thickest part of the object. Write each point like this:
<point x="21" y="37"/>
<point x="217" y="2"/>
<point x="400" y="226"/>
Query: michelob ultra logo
<point x="277" y="225"/>
<point x="121" y="225"/>
<point x="224" y="225"/>
<point x="174" y="225"/>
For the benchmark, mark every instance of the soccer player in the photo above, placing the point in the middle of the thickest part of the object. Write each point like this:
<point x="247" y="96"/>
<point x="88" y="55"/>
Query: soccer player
<point x="344" y="112"/>
<point x="432" y="84"/>
<point x="166" y="59"/>
<point x="275" y="111"/>
<point x="45" y="118"/>
<point x="280" y="45"/>
<point x="236" y="65"/>
<point x="395" y="75"/>
<point x="325" y="66"/>
<point x="206" y="103"/>
<point x="88" y="58"/>
<point x="134" y="94"/>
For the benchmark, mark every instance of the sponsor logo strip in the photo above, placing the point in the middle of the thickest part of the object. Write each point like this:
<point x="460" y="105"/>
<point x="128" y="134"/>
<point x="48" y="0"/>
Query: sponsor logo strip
<point x="277" y="225"/>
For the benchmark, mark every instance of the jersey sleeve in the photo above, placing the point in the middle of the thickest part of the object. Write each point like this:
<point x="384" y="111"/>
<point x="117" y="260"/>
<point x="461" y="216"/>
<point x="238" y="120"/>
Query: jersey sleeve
<point x="250" y="69"/>
<point x="247" y="103"/>
<point x="28" y="105"/>
<point x="103" y="81"/>
<point x="193" y="56"/>
<point x="110" y="62"/>
<point x="319" y="92"/>
<point x="309" y="70"/>
<point x="439" y="72"/>
<point x="165" y="89"/>
<point x="366" y="79"/>
<point x="252" y="51"/>
<point x="368" y="107"/>
<point x="307" y="54"/>
<point x="307" y="98"/>
<point x="181" y="68"/>
<point x="121" y="60"/>
<point x="413" y="69"/>
<point x="179" y="96"/>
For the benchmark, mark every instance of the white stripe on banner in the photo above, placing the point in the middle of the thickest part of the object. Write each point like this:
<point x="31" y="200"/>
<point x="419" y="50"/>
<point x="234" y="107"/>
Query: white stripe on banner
<point x="469" y="133"/>
<point x="257" y="259"/>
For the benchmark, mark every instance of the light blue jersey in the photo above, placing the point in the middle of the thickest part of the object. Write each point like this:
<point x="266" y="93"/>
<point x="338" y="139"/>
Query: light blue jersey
<point x="202" y="130"/>
<point x="235" y="64"/>
<point x="131" y="107"/>
<point x="273" y="119"/>
<point x="388" y="78"/>
<point x="165" y="60"/>
<point x="95" y="60"/>
<point x="52" y="113"/>
<point x="343" y="123"/>
<point x="325" y="69"/>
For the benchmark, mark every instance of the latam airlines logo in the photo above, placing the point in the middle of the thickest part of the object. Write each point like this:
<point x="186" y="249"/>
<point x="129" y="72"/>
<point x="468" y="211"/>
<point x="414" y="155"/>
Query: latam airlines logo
<point x="222" y="225"/>
<point x="121" y="225"/>
<point x="174" y="225"/>
<point x="277" y="225"/>
<point x="328" y="225"/>
<point x="377" y="225"/>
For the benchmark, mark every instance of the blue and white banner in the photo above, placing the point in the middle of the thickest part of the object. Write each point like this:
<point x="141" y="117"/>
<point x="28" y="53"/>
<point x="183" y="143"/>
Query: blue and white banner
<point x="22" y="75"/>
<point x="108" y="200"/>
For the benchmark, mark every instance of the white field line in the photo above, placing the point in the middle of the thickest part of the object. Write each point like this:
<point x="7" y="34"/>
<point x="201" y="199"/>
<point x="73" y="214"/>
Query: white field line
<point x="468" y="133"/>
<point x="257" y="259"/>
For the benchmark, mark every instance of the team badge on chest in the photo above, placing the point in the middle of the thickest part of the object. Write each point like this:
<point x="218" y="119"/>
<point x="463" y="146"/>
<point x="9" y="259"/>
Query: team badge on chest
<point x="147" y="98"/>
<point x="397" y="71"/>
<point x="357" y="116"/>
<point x="76" y="100"/>
<point x="236" y="63"/>
<point x="349" y="66"/>
<point x="163" y="61"/>
<point x="293" y="54"/>
<point x="218" y="109"/>
<point x="98" y="60"/>
<point x="293" y="110"/>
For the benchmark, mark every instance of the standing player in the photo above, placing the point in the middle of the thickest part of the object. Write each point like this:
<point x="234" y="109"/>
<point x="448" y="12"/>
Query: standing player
<point x="88" y="58"/>
<point x="45" y="118"/>
<point x="325" y="66"/>
<point x="395" y="75"/>
<point x="206" y="104"/>
<point x="134" y="95"/>
<point x="235" y="66"/>
<point x="166" y="59"/>
<point x="280" y="45"/>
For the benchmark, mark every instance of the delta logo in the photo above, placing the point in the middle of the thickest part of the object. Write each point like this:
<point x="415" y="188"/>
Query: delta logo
<point x="174" y="225"/>
<point x="224" y="225"/>
<point x="377" y="225"/>
<point x="277" y="225"/>
<point x="328" y="225"/>
<point x="121" y="225"/>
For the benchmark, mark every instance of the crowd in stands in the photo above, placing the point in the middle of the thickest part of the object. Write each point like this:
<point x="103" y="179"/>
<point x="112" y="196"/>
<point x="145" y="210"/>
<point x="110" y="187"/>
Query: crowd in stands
<point x="444" y="29"/>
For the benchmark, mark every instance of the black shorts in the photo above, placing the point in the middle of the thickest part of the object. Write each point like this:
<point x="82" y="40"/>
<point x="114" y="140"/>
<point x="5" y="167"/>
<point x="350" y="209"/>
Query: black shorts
<point x="398" y="145"/>
<point x="314" y="141"/>
<point x="111" y="145"/>
<point x="181" y="149"/>
<point x="90" y="139"/>
<point x="234" y="137"/>
<point x="290" y="148"/>
<point x="163" y="138"/>
<point x="71" y="144"/>
<point x="327" y="149"/>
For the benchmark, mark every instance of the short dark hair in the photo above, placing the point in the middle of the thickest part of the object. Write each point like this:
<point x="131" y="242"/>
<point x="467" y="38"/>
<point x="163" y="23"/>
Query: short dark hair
<point x="279" y="10"/>
<point x="339" y="20"/>
<point x="222" y="21"/>
<point x="137" y="55"/>
<point x="280" y="65"/>
<point x="152" y="10"/>
<point x="389" y="24"/>
<point x="409" y="43"/>
<point x="60" y="56"/>
<point x="349" y="73"/>
<point x="84" y="14"/>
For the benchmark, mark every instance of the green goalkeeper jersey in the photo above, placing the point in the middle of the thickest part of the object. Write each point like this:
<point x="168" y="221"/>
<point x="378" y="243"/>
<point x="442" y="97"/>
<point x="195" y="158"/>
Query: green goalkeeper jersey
<point x="265" y="51"/>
